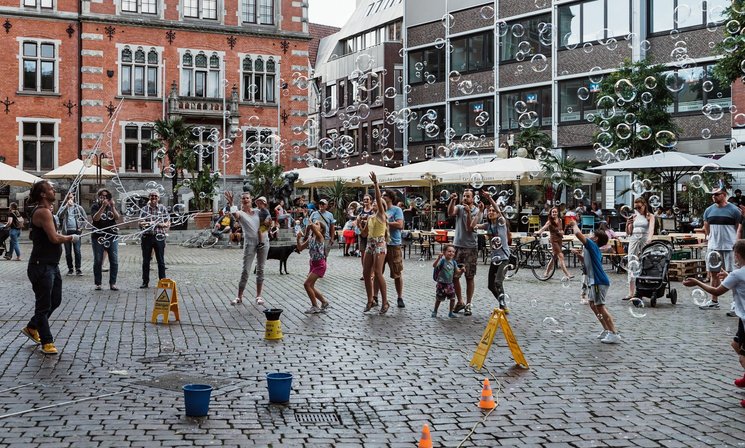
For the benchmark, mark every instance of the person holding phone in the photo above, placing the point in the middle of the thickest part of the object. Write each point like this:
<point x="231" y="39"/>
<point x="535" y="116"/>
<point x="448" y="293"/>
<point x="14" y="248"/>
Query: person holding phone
<point x="104" y="239"/>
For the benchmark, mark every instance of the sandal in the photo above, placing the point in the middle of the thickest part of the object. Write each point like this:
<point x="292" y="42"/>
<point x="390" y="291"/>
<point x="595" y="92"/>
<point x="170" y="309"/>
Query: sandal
<point x="384" y="308"/>
<point x="325" y="305"/>
<point x="113" y="287"/>
<point x="236" y="301"/>
<point x="627" y="298"/>
<point x="368" y="307"/>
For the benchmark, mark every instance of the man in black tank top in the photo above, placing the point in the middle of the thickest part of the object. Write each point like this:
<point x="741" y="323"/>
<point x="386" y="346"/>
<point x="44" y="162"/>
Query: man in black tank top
<point x="43" y="265"/>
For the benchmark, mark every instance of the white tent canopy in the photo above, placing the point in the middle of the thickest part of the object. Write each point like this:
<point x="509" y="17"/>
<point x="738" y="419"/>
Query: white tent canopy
<point x="736" y="157"/>
<point x="15" y="177"/>
<point x="72" y="169"/>
<point x="421" y="174"/>
<point x="309" y="173"/>
<point x="354" y="176"/>
<point x="506" y="170"/>
<point x="667" y="161"/>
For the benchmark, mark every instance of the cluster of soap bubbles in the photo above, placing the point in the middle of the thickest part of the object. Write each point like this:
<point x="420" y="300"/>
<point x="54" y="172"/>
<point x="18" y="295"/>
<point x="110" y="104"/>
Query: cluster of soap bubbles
<point x="697" y="180"/>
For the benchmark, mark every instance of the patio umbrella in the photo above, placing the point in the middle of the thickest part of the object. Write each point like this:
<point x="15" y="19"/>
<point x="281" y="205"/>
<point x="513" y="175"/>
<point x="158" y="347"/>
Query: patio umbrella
<point x="356" y="176"/>
<point x="670" y="166"/>
<point x="736" y="157"/>
<point x="78" y="169"/>
<point x="309" y="173"/>
<point x="15" y="177"/>
<point x="508" y="170"/>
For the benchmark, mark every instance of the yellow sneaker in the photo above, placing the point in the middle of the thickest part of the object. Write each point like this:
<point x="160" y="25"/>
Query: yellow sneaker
<point x="31" y="334"/>
<point x="49" y="349"/>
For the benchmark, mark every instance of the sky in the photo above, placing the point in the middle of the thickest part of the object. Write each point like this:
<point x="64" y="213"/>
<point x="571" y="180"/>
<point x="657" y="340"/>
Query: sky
<point x="330" y="12"/>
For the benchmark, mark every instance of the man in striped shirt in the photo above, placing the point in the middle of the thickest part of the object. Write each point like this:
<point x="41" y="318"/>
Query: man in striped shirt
<point x="721" y="227"/>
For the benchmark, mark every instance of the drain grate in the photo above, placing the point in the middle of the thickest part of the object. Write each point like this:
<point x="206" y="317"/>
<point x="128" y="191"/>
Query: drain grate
<point x="318" y="417"/>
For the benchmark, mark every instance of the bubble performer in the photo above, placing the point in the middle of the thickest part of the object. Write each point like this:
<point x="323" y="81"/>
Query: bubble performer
<point x="105" y="216"/>
<point x="155" y="222"/>
<point x="498" y="229"/>
<point x="43" y="265"/>
<point x="248" y="217"/>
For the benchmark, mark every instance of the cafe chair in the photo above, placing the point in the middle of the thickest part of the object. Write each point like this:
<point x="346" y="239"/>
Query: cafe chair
<point x="534" y="223"/>
<point x="587" y="222"/>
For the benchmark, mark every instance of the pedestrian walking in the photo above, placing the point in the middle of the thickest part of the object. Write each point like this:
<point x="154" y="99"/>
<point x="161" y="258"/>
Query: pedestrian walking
<point x="155" y="222"/>
<point x="315" y="246"/>
<point x="640" y="227"/>
<point x="15" y="224"/>
<point x="248" y="217"/>
<point x="43" y="265"/>
<point x="72" y="219"/>
<point x="597" y="282"/>
<point x="466" y="242"/>
<point x="104" y="240"/>
<point x="722" y="224"/>
<point x="445" y="268"/>
<point x="500" y="239"/>
<point x="735" y="282"/>
<point x="375" y="251"/>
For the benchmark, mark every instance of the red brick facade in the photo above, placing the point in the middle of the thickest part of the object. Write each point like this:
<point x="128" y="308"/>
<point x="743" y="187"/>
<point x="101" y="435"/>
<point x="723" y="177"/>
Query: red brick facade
<point x="88" y="71"/>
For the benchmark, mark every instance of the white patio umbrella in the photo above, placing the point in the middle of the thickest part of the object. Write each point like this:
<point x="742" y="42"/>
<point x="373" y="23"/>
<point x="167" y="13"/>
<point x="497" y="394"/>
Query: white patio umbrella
<point x="507" y="170"/>
<point x="421" y="174"/>
<point x="671" y="166"/>
<point x="15" y="177"/>
<point x="736" y="157"/>
<point x="356" y="176"/>
<point x="77" y="168"/>
<point x="309" y="173"/>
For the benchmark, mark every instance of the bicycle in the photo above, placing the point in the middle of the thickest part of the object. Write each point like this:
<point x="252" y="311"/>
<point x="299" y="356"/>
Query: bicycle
<point x="204" y="239"/>
<point x="535" y="256"/>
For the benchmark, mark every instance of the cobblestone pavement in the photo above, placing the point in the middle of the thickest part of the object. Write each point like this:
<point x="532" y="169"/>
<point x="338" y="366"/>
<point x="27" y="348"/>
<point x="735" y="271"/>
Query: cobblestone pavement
<point x="668" y="384"/>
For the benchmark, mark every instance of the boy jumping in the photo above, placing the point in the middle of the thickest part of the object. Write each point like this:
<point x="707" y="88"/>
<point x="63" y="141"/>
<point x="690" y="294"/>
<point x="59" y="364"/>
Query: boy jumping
<point x="597" y="282"/>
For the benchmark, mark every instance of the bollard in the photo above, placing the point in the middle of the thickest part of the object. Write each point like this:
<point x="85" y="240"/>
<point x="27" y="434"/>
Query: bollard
<point x="273" y="324"/>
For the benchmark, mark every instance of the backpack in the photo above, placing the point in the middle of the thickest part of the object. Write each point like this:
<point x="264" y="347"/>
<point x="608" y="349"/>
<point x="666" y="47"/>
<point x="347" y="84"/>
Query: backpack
<point x="17" y="221"/>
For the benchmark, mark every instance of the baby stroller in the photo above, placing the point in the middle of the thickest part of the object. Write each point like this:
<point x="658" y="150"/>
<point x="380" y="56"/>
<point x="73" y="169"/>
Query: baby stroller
<point x="4" y="234"/>
<point x="653" y="278"/>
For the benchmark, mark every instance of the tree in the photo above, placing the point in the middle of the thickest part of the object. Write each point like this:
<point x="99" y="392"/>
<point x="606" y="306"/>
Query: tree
<point x="339" y="194"/>
<point x="173" y="144"/>
<point x="732" y="47"/>
<point x="632" y="110"/>
<point x="265" y="179"/>
<point x="531" y="138"/>
<point x="560" y="173"/>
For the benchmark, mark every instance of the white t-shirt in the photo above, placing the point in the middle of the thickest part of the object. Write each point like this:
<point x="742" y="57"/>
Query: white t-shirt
<point x="735" y="282"/>
<point x="250" y="225"/>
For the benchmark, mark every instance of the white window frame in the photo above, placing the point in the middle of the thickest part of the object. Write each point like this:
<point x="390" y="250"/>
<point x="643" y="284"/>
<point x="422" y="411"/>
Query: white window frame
<point x="56" y="140"/>
<point x="158" y="8"/>
<point x="221" y="71"/>
<point x="241" y="73"/>
<point x="200" y="11"/>
<point x="123" y="142"/>
<point x="57" y="63"/>
<point x="39" y="5"/>
<point x="268" y="147"/>
<point x="120" y="66"/>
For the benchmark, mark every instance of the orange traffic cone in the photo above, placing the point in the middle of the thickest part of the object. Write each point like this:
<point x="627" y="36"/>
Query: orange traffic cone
<point x="426" y="440"/>
<point x="487" y="399"/>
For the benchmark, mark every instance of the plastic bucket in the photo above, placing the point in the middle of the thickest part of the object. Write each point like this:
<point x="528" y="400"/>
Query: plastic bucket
<point x="197" y="399"/>
<point x="279" y="385"/>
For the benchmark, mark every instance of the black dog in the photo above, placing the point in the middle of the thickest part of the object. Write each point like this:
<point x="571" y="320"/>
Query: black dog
<point x="281" y="253"/>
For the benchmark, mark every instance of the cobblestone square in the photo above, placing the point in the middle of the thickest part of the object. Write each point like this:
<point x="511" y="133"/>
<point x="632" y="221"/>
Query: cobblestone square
<point x="669" y="383"/>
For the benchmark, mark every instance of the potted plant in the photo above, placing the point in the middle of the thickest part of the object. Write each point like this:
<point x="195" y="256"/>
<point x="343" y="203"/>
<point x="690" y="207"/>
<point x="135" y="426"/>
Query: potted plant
<point x="203" y="185"/>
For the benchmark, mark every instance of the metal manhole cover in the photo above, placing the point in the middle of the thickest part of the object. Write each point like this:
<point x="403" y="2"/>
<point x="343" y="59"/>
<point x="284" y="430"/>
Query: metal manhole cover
<point x="175" y="381"/>
<point x="317" y="417"/>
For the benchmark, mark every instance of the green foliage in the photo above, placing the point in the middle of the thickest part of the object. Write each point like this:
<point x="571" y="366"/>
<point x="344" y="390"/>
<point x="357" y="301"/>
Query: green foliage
<point x="631" y="82"/>
<point x="264" y="179"/>
<point x="732" y="46"/>
<point x="173" y="145"/>
<point x="566" y="168"/>
<point x="204" y="185"/>
<point x="340" y="195"/>
<point x="531" y="138"/>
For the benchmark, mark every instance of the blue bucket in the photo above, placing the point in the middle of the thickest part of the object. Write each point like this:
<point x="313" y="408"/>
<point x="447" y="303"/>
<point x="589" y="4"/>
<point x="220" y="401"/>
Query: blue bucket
<point x="279" y="385"/>
<point x="197" y="399"/>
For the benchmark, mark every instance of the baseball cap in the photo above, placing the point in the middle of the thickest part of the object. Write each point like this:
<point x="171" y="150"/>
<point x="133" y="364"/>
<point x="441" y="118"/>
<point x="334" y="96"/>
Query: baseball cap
<point x="324" y="202"/>
<point x="261" y="198"/>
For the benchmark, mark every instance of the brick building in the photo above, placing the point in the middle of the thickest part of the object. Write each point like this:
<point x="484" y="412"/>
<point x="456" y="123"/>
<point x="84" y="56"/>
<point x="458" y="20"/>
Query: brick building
<point x="465" y="57"/>
<point x="225" y="64"/>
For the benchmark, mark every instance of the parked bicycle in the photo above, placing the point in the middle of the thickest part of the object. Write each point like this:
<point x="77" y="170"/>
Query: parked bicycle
<point x="533" y="255"/>
<point x="205" y="239"/>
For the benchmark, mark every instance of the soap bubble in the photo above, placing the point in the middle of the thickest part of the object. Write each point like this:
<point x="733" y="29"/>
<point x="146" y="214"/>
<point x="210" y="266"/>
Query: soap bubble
<point x="524" y="219"/>
<point x="477" y="180"/>
<point x="699" y="296"/>
<point x="496" y="243"/>
<point x="509" y="212"/>
<point x="696" y="181"/>
<point x="552" y="325"/>
<point x="713" y="260"/>
<point x="634" y="268"/>
<point x="666" y="139"/>
<point x="636" y="309"/>
<point x="654" y="201"/>
<point x="387" y="154"/>
<point x="444" y="195"/>
<point x="566" y="282"/>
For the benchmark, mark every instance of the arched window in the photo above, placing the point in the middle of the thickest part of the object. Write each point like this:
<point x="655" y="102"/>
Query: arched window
<point x="139" y="76"/>
<point x="259" y="83"/>
<point x="202" y="79"/>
